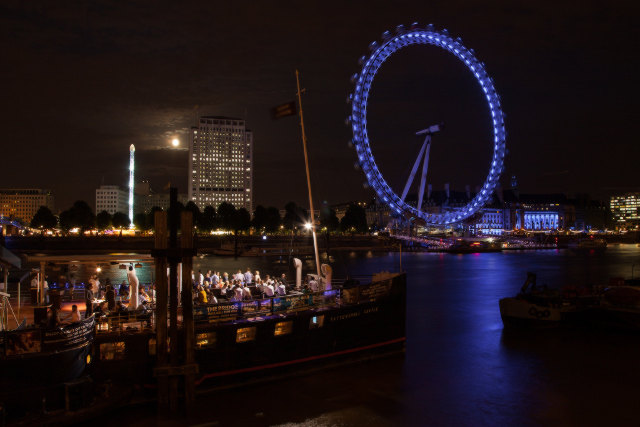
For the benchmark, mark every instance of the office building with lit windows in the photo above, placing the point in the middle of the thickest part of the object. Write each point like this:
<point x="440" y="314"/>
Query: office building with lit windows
<point x="112" y="198"/>
<point x="626" y="208"/>
<point x="23" y="203"/>
<point x="221" y="163"/>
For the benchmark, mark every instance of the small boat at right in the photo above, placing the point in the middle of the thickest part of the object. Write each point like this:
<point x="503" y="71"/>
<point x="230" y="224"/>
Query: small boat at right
<point x="589" y="244"/>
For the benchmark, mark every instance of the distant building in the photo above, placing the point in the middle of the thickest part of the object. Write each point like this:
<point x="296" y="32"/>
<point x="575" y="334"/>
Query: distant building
<point x="146" y="199"/>
<point x="221" y="163"/>
<point x="626" y="208"/>
<point x="112" y="198"/>
<point x="23" y="203"/>
<point x="491" y="222"/>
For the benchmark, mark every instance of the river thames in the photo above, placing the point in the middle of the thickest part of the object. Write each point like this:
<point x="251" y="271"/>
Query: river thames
<point x="460" y="368"/>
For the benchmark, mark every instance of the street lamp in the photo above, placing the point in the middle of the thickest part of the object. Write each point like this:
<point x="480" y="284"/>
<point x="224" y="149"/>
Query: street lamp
<point x="175" y="142"/>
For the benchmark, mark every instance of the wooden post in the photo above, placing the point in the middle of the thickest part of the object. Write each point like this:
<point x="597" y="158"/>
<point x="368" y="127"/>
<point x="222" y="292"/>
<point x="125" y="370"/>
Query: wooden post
<point x="173" y="297"/>
<point x="186" y="243"/>
<point x="161" y="307"/>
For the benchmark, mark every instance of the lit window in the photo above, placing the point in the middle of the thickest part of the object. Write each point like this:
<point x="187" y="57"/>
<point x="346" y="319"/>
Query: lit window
<point x="112" y="350"/>
<point x="283" y="328"/>
<point x="246" y="334"/>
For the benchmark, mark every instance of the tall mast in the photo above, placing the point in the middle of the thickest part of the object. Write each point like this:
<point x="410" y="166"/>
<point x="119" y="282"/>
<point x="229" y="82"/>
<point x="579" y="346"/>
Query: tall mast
<point x="132" y="151"/>
<point x="306" y="164"/>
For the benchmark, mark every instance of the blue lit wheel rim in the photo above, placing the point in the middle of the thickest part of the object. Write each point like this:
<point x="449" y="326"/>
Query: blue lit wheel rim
<point x="358" y="120"/>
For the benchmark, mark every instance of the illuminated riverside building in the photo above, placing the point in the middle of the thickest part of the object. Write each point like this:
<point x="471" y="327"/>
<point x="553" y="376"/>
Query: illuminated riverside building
<point x="626" y="208"/>
<point x="221" y="163"/>
<point x="112" y="198"/>
<point x="23" y="203"/>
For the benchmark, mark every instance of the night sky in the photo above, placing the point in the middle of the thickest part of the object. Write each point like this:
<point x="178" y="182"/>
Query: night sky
<point x="81" y="81"/>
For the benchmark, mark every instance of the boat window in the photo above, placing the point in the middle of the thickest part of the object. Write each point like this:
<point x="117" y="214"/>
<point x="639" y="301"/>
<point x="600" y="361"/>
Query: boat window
<point x="206" y="339"/>
<point x="246" y="334"/>
<point x="316" y="322"/>
<point x="112" y="350"/>
<point x="283" y="328"/>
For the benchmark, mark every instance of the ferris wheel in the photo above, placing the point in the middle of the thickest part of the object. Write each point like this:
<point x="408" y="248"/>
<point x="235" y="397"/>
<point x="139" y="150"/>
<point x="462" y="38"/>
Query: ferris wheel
<point x="392" y="43"/>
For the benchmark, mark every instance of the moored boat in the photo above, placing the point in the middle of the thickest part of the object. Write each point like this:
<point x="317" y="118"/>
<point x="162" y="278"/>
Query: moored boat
<point x="541" y="307"/>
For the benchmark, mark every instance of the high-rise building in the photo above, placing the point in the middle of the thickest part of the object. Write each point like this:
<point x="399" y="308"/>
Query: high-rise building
<point x="112" y="198"/>
<point x="23" y="203"/>
<point x="221" y="162"/>
<point x="626" y="207"/>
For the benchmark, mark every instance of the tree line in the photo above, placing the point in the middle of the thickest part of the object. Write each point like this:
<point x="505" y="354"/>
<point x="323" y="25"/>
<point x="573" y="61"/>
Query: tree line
<point x="226" y="217"/>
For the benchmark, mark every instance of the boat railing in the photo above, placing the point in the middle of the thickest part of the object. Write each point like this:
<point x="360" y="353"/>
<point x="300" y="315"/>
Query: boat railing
<point x="125" y="322"/>
<point x="284" y="304"/>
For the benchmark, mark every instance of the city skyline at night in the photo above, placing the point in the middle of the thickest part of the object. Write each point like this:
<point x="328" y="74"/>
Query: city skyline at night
<point x="97" y="79"/>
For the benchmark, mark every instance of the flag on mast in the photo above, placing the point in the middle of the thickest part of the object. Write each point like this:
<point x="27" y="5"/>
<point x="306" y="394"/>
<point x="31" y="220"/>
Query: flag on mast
<point x="284" y="110"/>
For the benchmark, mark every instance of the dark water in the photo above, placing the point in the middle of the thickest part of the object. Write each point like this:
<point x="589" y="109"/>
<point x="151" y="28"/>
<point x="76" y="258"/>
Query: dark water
<point x="460" y="368"/>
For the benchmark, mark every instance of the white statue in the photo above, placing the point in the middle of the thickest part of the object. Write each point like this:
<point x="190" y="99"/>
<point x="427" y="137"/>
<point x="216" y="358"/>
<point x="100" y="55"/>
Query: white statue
<point x="133" y="288"/>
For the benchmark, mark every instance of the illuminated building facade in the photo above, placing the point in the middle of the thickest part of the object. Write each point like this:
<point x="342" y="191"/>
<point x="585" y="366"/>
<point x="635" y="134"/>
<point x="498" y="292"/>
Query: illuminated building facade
<point x="491" y="223"/>
<point x="112" y="199"/>
<point x="221" y="163"/>
<point x="626" y="208"/>
<point x="23" y="203"/>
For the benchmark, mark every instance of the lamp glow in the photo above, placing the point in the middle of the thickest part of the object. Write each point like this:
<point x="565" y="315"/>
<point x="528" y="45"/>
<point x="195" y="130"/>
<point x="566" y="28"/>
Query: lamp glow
<point x="175" y="142"/>
<point x="307" y="226"/>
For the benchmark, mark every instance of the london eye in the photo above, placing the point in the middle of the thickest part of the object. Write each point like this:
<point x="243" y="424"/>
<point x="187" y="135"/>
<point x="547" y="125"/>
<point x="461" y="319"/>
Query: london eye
<point x="380" y="52"/>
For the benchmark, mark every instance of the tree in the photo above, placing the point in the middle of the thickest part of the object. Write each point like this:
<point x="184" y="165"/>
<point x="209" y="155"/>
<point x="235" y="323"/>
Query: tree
<point x="226" y="213"/>
<point x="66" y="220"/>
<point x="273" y="220"/>
<point x="329" y="219"/>
<point x="294" y="216"/>
<point x="241" y="220"/>
<point x="82" y="216"/>
<point x="103" y="220"/>
<point x="120" y="220"/>
<point x="140" y="220"/>
<point x="208" y="219"/>
<point x="260" y="217"/>
<point x="355" y="219"/>
<point x="195" y="210"/>
<point x="44" y="218"/>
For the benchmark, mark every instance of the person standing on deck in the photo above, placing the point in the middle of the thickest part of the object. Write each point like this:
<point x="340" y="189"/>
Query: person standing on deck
<point x="248" y="277"/>
<point x="134" y="283"/>
<point x="200" y="278"/>
<point x="88" y="300"/>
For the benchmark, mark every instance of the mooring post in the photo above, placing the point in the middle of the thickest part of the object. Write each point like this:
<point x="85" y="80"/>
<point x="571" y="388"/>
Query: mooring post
<point x="186" y="243"/>
<point x="173" y="297"/>
<point x="161" y="306"/>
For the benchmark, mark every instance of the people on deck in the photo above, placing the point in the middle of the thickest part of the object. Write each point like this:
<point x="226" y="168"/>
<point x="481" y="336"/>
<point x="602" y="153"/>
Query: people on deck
<point x="75" y="314"/>
<point x="202" y="295"/>
<point x="88" y="300"/>
<point x="248" y="277"/>
<point x="110" y="297"/>
<point x="121" y="308"/>
<point x="101" y="310"/>
<point x="124" y="289"/>
<point x="143" y="297"/>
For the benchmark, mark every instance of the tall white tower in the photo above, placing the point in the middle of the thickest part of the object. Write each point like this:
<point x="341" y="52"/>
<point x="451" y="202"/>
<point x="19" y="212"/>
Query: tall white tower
<point x="132" y="151"/>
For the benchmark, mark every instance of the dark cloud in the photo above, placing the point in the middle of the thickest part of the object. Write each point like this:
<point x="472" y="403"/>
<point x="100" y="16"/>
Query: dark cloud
<point x="82" y="81"/>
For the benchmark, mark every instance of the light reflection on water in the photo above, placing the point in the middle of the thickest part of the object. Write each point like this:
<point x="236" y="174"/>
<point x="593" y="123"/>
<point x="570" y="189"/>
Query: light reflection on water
<point x="460" y="368"/>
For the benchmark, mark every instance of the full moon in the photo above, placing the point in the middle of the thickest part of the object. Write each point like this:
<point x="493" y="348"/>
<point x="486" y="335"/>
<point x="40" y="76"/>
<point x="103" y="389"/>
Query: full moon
<point x="175" y="142"/>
